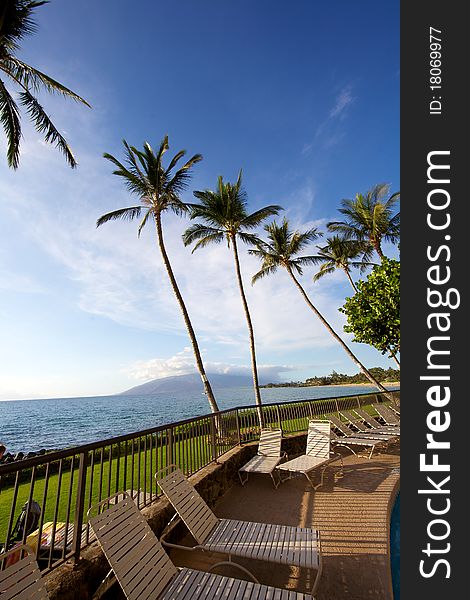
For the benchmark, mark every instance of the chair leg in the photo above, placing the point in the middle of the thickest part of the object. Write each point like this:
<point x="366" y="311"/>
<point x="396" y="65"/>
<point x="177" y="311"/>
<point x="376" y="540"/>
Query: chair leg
<point x="242" y="481"/>
<point x="105" y="585"/>
<point x="230" y="563"/>
<point x="320" y="568"/>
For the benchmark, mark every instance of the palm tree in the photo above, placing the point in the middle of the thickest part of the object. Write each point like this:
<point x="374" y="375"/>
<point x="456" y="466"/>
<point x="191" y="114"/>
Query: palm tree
<point x="369" y="218"/>
<point x="339" y="253"/>
<point x="224" y="216"/>
<point x="282" y="250"/>
<point x="158" y="190"/>
<point x="15" y="23"/>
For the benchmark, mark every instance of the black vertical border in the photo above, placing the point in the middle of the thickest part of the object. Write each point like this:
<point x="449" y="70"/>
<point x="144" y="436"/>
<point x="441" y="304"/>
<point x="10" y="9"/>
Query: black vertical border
<point x="421" y="133"/>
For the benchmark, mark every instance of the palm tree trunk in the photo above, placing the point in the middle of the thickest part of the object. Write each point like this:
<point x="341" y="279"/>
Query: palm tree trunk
<point x="251" y="332"/>
<point x="369" y="375"/>
<point x="189" y="327"/>
<point x="394" y="356"/>
<point x="353" y="285"/>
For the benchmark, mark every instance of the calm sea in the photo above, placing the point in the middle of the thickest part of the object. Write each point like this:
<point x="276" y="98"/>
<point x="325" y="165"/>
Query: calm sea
<point x="29" y="425"/>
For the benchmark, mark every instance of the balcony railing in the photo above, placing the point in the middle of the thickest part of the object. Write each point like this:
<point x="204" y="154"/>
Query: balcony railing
<point x="67" y="483"/>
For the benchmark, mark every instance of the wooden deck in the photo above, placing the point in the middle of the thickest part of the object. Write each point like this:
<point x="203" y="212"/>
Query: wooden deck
<point x="352" y="514"/>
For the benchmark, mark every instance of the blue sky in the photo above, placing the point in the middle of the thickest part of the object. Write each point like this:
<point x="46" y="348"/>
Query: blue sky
<point x="304" y="96"/>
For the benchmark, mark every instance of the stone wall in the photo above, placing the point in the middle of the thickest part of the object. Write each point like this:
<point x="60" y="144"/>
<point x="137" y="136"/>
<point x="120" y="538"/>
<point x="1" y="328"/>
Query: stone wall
<point x="79" y="581"/>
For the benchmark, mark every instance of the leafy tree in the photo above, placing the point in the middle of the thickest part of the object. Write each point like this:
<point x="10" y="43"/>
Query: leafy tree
<point x="158" y="189"/>
<point x="15" y="23"/>
<point x="282" y="250"/>
<point x="373" y="313"/>
<point x="224" y="216"/>
<point x="369" y="218"/>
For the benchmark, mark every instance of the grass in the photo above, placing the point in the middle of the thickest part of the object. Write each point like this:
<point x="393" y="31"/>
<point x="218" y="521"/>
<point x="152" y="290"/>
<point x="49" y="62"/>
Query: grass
<point x="115" y="469"/>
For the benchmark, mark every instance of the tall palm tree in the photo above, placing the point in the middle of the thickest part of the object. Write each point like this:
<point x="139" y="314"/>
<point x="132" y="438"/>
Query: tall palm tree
<point x="15" y="23"/>
<point x="339" y="253"/>
<point x="369" y="218"/>
<point x="158" y="189"/>
<point x="224" y="216"/>
<point x="282" y="250"/>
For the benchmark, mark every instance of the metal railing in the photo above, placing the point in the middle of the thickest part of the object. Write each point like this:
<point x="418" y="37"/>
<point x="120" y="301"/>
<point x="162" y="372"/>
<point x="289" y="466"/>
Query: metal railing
<point x="67" y="483"/>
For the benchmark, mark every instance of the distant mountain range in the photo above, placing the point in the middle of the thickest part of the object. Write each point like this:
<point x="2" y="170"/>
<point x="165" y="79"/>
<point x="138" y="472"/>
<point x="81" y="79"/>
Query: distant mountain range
<point x="188" y="383"/>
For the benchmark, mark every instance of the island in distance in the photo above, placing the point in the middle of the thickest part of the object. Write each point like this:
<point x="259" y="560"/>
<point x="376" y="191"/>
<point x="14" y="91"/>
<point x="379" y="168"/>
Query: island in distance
<point x="188" y="383"/>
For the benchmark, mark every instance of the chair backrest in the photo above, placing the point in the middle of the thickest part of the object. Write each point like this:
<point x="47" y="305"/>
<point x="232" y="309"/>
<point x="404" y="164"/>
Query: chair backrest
<point x="355" y="422"/>
<point x="387" y="414"/>
<point x="367" y="418"/>
<point x="318" y="439"/>
<point x="342" y="427"/>
<point x="22" y="579"/>
<point x="195" y="513"/>
<point x="140" y="564"/>
<point x="270" y="441"/>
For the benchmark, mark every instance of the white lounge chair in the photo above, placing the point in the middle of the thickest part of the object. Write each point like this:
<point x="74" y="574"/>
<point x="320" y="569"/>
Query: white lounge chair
<point x="146" y="572"/>
<point x="317" y="453"/>
<point x="282" y="544"/>
<point x="21" y="580"/>
<point x="269" y="455"/>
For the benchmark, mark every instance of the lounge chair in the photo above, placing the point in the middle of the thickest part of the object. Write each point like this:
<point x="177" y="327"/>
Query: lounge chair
<point x="373" y="423"/>
<point x="358" y="424"/>
<point x="145" y="571"/>
<point x="268" y="457"/>
<point x="386" y="414"/>
<point x="317" y="453"/>
<point x="282" y="544"/>
<point x="347" y="432"/>
<point x="21" y="580"/>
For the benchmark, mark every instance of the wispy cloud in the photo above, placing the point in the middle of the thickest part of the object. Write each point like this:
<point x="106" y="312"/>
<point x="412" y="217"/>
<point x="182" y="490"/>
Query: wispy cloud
<point x="343" y="100"/>
<point x="329" y="131"/>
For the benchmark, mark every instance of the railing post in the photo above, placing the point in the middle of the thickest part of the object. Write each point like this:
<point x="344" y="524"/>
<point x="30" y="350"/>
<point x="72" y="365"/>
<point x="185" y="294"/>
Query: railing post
<point x="213" y="438"/>
<point x="239" y="433"/>
<point x="170" y="459"/>
<point x="337" y="407"/>
<point x="79" y="506"/>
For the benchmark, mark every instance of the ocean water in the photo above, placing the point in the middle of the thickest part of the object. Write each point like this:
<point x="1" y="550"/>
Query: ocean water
<point x="30" y="425"/>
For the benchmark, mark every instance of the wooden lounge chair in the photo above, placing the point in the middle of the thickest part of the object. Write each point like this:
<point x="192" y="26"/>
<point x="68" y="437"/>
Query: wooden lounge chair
<point x="145" y="571"/>
<point x="22" y="579"/>
<point x="345" y="431"/>
<point x="268" y="457"/>
<point x="282" y="544"/>
<point x="317" y="453"/>
<point x="386" y="414"/>
<point x="359" y="426"/>
<point x="374" y="424"/>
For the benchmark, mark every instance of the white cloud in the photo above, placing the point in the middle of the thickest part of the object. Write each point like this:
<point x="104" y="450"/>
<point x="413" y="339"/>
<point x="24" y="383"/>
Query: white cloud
<point x="182" y="363"/>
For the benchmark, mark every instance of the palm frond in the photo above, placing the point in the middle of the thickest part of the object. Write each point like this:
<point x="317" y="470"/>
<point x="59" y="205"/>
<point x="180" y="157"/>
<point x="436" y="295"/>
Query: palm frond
<point x="126" y="214"/>
<point x="263" y="272"/>
<point x="9" y="116"/>
<point x="45" y="126"/>
<point x="253" y="220"/>
<point x="249" y="238"/>
<point x="198" y="231"/>
<point x="16" y="21"/>
<point x="214" y="238"/>
<point x="30" y="78"/>
<point x="144" y="221"/>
